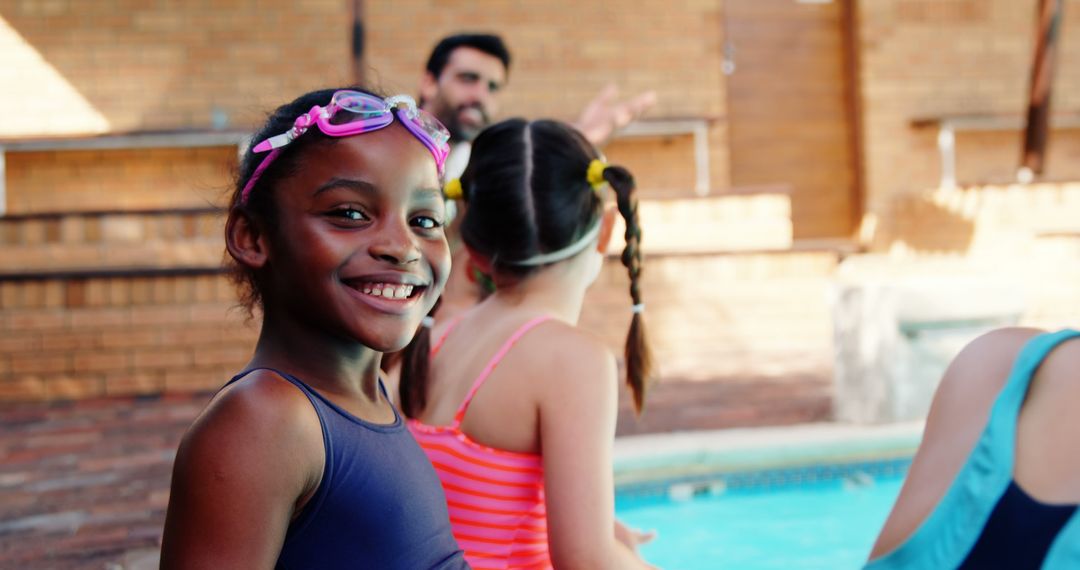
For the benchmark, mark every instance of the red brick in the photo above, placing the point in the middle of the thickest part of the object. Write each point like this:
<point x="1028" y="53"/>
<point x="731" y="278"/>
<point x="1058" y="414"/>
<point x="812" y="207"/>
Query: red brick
<point x="30" y="320"/>
<point x="164" y="291"/>
<point x="112" y="317"/>
<point x="160" y="315"/>
<point x="131" y="338"/>
<point x="22" y="388"/>
<point x="10" y="295"/>
<point x="142" y="291"/>
<point x="33" y="294"/>
<point x="213" y="313"/>
<point x="75" y="294"/>
<point x="227" y="356"/>
<point x="205" y="289"/>
<point x="22" y="341"/>
<point x="101" y="361"/>
<point x="96" y="293"/>
<point x="194" y="380"/>
<point x="119" y="292"/>
<point x="39" y="363"/>
<point x="70" y="340"/>
<point x="54" y="294"/>
<point x="127" y="383"/>
<point x="195" y="335"/>
<point x="158" y="358"/>
<point x="74" y="387"/>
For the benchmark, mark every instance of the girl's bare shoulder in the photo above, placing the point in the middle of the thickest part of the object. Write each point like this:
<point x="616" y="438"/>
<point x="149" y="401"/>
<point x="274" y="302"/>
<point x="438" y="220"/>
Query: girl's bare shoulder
<point x="263" y="406"/>
<point x="563" y="352"/>
<point x="984" y="364"/>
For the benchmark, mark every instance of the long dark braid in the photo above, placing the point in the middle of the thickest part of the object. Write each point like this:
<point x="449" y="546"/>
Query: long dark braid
<point x="638" y="354"/>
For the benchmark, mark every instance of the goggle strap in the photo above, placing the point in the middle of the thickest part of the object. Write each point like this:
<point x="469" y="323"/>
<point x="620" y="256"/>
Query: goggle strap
<point x="561" y="254"/>
<point x="276" y="141"/>
<point x="257" y="174"/>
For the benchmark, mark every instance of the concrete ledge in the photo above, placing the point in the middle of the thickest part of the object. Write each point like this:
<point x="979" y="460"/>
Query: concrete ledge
<point x="663" y="456"/>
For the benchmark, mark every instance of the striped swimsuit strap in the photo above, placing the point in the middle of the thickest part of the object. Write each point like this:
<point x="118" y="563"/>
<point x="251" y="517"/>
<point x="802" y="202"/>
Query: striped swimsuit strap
<point x="490" y="367"/>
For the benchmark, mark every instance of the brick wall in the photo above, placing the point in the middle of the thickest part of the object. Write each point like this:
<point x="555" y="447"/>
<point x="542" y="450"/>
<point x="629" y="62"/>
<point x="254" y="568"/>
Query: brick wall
<point x="134" y="179"/>
<point x="80" y="338"/>
<point x="721" y="316"/>
<point x="117" y="241"/>
<point x="565" y="52"/>
<point x="924" y="58"/>
<point x="710" y="317"/>
<point x="113" y="66"/>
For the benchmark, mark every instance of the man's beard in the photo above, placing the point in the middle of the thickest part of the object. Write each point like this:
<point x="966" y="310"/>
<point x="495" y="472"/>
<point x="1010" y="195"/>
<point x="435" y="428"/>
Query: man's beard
<point x="460" y="132"/>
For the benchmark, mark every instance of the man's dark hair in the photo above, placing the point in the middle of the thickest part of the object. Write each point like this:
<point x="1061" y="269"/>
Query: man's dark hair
<point x="487" y="43"/>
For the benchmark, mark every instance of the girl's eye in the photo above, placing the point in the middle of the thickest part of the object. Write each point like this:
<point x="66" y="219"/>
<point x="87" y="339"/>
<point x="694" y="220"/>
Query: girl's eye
<point x="351" y="214"/>
<point x="426" y="222"/>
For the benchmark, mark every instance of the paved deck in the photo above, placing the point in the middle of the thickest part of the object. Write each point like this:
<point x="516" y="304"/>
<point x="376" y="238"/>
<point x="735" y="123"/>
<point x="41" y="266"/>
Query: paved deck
<point x="85" y="484"/>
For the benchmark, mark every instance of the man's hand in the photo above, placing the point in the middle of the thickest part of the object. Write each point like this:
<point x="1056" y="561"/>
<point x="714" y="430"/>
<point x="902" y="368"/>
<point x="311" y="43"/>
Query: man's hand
<point x="605" y="114"/>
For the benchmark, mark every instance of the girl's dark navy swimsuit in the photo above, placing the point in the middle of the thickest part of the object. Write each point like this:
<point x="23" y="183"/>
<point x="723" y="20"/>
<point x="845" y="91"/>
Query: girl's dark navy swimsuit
<point x="379" y="504"/>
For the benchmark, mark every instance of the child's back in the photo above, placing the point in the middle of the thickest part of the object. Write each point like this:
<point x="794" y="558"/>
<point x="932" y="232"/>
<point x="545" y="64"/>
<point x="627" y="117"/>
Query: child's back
<point x="518" y="413"/>
<point x="994" y="483"/>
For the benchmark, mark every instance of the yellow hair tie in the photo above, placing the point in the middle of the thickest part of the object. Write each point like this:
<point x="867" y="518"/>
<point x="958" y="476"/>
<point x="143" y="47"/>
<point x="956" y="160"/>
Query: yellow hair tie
<point x="595" y="174"/>
<point x="452" y="189"/>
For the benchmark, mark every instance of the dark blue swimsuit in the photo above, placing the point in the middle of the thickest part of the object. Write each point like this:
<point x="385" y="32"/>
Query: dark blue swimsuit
<point x="985" y="520"/>
<point x="379" y="504"/>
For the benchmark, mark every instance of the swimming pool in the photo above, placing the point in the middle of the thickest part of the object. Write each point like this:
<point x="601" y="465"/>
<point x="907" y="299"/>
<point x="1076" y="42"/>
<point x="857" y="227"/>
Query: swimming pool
<point x="827" y="525"/>
<point x="798" y="504"/>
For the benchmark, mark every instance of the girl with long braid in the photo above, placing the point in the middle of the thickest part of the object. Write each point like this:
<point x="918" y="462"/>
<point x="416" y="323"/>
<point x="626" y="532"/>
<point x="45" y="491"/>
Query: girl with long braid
<point x="516" y="407"/>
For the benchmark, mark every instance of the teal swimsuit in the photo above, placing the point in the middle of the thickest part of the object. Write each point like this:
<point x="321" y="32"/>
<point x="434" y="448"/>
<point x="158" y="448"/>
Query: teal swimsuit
<point x="985" y="520"/>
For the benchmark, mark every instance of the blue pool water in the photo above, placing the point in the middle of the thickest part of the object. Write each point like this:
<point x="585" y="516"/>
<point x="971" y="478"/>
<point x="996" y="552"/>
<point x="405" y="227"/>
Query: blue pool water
<point x="827" y="525"/>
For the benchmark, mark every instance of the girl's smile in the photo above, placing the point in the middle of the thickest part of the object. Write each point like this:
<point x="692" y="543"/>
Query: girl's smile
<point x="389" y="292"/>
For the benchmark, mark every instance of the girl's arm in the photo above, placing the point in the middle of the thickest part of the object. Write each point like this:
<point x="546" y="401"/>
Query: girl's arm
<point x="578" y="406"/>
<point x="239" y="473"/>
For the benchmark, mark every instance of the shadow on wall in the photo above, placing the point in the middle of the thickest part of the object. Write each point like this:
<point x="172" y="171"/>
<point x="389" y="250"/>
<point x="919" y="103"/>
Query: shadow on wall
<point x="926" y="223"/>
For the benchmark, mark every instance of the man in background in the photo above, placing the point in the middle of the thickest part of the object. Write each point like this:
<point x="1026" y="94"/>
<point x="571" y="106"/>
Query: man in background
<point x="463" y="82"/>
<point x="462" y="86"/>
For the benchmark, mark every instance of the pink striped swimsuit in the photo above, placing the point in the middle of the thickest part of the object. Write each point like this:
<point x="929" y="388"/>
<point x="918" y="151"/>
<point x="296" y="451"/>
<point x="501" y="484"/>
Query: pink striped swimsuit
<point x="495" y="497"/>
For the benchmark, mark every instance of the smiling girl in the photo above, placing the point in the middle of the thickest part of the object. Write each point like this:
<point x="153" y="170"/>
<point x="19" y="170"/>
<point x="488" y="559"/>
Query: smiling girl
<point x="335" y="230"/>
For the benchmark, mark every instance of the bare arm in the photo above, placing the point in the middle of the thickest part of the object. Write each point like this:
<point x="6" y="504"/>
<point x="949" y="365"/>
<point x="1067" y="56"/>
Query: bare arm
<point x="958" y="414"/>
<point x="239" y="473"/>
<point x="577" y="429"/>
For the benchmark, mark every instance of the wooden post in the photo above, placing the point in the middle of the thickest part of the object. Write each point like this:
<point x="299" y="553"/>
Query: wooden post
<point x="358" y="43"/>
<point x="1042" y="80"/>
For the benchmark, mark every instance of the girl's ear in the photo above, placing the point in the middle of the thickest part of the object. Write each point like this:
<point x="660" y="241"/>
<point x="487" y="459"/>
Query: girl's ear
<point x="244" y="240"/>
<point x="607" y="225"/>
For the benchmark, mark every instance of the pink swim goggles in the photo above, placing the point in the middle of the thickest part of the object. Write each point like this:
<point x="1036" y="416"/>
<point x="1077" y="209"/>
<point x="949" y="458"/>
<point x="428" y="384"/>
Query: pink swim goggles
<point x="366" y="113"/>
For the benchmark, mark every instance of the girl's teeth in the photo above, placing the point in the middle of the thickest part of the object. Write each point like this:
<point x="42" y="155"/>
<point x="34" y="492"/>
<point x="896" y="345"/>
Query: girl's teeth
<point x="388" y="290"/>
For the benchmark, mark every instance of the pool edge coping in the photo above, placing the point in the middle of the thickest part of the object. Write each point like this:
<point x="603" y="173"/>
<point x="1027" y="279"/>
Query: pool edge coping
<point x="654" y="457"/>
